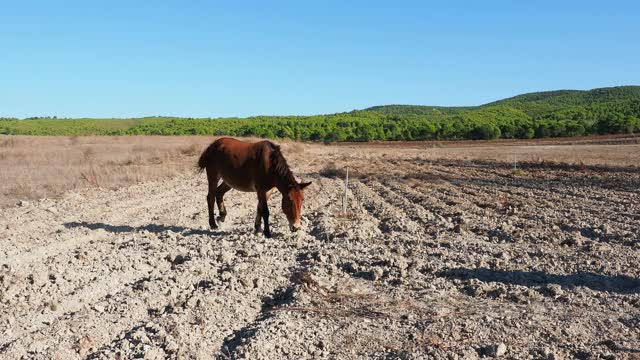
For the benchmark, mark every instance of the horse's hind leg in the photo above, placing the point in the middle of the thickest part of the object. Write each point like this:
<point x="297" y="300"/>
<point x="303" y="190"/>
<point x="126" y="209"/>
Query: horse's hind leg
<point x="213" y="178"/>
<point x="220" y="191"/>
<point x="258" y="221"/>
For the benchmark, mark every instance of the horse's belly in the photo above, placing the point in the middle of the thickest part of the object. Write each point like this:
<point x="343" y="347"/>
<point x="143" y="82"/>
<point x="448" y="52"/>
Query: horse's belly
<point x="240" y="186"/>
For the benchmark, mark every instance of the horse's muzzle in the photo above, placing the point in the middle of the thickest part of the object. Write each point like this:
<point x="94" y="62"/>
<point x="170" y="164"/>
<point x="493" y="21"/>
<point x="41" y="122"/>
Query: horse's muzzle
<point x="294" y="227"/>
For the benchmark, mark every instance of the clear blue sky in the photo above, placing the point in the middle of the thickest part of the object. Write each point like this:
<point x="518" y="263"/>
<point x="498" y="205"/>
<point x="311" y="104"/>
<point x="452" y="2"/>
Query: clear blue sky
<point x="241" y="58"/>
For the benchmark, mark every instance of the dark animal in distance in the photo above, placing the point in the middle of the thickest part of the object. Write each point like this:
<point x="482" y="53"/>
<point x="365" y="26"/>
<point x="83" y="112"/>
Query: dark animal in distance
<point x="251" y="167"/>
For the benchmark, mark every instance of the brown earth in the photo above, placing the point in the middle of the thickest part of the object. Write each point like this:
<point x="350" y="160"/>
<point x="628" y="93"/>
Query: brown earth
<point x="439" y="255"/>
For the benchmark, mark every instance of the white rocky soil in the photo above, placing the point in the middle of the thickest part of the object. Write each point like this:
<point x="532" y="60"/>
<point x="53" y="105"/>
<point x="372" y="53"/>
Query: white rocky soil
<point x="448" y="261"/>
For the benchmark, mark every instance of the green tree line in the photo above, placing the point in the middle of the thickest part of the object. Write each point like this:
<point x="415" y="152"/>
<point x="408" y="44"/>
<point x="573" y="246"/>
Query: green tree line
<point x="537" y="115"/>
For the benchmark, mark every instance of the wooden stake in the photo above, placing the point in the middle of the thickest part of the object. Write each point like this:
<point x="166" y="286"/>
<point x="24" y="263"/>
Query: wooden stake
<point x="344" y="198"/>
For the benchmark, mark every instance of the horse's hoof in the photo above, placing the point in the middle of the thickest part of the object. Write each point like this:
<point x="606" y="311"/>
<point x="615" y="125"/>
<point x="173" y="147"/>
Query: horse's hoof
<point x="221" y="218"/>
<point x="213" y="226"/>
<point x="267" y="234"/>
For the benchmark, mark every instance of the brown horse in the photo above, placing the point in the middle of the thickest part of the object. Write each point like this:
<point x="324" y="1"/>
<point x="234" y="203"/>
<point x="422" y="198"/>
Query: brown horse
<point x="251" y="167"/>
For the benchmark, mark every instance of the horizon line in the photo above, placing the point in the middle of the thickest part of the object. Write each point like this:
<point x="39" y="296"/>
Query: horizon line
<point x="36" y="117"/>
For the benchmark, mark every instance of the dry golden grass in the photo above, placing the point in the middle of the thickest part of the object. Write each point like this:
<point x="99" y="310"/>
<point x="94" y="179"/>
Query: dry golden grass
<point x="33" y="167"/>
<point x="587" y="154"/>
<point x="608" y="155"/>
<point x="36" y="167"/>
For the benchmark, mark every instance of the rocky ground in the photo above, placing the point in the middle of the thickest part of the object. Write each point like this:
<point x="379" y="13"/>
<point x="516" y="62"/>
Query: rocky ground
<point x="433" y="259"/>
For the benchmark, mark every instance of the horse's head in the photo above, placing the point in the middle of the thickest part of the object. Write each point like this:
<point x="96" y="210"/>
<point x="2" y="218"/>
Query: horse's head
<point x="292" y="204"/>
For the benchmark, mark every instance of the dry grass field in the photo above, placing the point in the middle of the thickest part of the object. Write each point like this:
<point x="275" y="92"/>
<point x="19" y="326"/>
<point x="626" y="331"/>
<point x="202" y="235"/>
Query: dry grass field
<point x="38" y="166"/>
<point x="445" y="251"/>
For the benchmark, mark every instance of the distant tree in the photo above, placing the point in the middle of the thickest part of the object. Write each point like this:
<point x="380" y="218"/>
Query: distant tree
<point x="574" y="128"/>
<point x="285" y="132"/>
<point x="485" y="132"/>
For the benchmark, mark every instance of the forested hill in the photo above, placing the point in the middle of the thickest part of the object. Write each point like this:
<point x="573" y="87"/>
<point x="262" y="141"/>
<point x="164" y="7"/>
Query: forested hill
<point x="422" y="110"/>
<point x="542" y="114"/>
<point x="533" y="104"/>
<point x="563" y="98"/>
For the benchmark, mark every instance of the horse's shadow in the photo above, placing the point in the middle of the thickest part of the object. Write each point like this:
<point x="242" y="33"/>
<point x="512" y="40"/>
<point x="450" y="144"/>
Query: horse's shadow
<point x="153" y="228"/>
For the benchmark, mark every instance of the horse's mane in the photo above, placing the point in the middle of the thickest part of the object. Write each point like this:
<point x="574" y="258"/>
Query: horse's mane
<point x="279" y="165"/>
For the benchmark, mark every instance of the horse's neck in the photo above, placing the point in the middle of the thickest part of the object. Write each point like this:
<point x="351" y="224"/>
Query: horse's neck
<point x="284" y="182"/>
<point x="280" y="171"/>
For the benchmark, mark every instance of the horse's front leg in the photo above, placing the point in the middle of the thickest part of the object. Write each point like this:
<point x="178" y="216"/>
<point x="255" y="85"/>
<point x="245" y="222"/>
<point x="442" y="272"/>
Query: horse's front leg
<point x="263" y="212"/>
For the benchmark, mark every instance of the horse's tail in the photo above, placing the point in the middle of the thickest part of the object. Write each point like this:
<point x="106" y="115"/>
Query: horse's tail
<point x="205" y="158"/>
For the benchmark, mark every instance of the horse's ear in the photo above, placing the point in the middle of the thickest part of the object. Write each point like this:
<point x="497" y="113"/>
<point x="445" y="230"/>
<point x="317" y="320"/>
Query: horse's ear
<point x="304" y="185"/>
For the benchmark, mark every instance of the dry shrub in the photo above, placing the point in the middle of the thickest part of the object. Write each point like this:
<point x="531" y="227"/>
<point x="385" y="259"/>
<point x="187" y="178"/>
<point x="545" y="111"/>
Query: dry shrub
<point x="190" y="150"/>
<point x="130" y="161"/>
<point x="8" y="142"/>
<point x="157" y="160"/>
<point x="331" y="170"/>
<point x="139" y="149"/>
<point x="337" y="304"/>
<point x="351" y="302"/>
<point x="74" y="140"/>
<point x="91" y="176"/>
<point x="295" y="148"/>
<point x="518" y="172"/>
<point x="88" y="154"/>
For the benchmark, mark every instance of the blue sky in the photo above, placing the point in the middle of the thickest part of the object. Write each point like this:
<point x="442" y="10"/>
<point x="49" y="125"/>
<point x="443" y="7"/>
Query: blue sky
<point x="241" y="58"/>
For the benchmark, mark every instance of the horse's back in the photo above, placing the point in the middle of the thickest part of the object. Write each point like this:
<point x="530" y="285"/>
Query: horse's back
<point x="242" y="165"/>
<point x="239" y="147"/>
